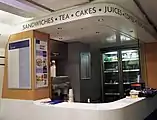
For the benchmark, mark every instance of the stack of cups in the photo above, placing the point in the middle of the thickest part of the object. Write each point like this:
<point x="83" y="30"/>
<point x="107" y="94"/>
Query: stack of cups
<point x="71" y="96"/>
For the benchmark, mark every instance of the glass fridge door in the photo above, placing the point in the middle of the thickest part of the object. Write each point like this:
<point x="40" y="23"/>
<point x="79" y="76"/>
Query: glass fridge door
<point x="131" y="68"/>
<point x="110" y="76"/>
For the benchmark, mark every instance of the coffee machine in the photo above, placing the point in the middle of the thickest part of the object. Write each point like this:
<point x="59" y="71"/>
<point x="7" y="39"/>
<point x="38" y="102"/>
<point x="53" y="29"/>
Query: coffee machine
<point x="60" y="88"/>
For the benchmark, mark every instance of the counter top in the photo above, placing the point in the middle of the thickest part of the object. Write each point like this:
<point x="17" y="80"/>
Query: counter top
<point x="124" y="109"/>
<point x="92" y="106"/>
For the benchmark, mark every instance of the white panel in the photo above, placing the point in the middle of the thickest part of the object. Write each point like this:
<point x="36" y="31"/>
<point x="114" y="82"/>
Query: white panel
<point x="13" y="68"/>
<point x="1" y="60"/>
<point x="2" y="52"/>
<point x="1" y="79"/>
<point x="10" y="19"/>
<point x="5" y="32"/>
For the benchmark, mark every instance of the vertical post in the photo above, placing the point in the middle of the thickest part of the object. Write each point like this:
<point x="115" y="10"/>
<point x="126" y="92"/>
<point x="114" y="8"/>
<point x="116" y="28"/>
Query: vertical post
<point x="120" y="68"/>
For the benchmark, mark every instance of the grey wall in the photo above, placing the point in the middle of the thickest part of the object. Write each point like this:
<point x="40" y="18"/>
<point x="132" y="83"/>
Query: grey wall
<point x="73" y="65"/>
<point x="91" y="89"/>
<point x="84" y="89"/>
<point x="96" y="73"/>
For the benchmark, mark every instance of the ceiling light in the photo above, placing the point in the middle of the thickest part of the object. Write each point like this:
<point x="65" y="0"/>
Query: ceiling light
<point x="124" y="38"/>
<point x="111" y="38"/>
<point x="97" y="32"/>
<point x="59" y="28"/>
<point x="100" y="20"/>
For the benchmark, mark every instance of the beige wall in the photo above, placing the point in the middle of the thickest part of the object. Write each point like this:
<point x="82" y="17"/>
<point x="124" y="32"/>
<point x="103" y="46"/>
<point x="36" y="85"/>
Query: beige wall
<point x="150" y="50"/>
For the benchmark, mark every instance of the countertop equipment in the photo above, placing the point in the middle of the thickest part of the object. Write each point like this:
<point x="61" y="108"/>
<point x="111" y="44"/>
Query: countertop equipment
<point x="60" y="87"/>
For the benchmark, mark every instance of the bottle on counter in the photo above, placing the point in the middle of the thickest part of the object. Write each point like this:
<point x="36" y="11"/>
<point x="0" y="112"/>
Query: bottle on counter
<point x="88" y="100"/>
<point x="53" y="68"/>
<point x="71" y="95"/>
<point x="138" y="78"/>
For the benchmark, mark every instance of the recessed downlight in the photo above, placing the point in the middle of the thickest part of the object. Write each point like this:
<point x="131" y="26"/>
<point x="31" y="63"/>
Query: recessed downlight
<point x="59" y="28"/>
<point x="97" y="32"/>
<point x="100" y="20"/>
<point x="131" y="31"/>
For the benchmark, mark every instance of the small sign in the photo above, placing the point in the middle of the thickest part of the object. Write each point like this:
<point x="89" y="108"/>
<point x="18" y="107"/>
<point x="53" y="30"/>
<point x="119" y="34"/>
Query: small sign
<point x="19" y="62"/>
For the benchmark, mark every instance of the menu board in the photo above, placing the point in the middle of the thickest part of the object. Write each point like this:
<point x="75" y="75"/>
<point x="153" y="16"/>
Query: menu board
<point x="19" y="64"/>
<point x="41" y="63"/>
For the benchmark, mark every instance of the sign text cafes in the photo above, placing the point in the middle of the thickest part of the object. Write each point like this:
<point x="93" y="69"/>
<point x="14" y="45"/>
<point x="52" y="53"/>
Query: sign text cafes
<point x="80" y="13"/>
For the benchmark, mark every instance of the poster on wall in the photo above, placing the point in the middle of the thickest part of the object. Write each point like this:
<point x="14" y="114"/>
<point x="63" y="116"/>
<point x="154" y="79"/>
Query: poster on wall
<point x="19" y="64"/>
<point x="41" y="63"/>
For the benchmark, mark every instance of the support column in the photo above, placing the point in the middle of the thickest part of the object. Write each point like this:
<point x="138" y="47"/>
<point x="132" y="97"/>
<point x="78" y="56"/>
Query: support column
<point x="33" y="93"/>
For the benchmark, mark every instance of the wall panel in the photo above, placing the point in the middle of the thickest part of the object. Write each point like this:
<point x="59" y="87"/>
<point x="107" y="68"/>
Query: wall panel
<point x="151" y="64"/>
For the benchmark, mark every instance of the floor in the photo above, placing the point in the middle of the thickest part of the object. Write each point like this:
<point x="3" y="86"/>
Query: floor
<point x="152" y="116"/>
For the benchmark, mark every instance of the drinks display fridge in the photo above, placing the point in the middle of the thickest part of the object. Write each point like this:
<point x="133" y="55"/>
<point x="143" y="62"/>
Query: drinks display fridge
<point x="120" y="68"/>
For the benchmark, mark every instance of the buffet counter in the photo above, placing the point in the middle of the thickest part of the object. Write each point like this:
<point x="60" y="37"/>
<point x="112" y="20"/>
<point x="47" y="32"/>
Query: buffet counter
<point x="124" y="109"/>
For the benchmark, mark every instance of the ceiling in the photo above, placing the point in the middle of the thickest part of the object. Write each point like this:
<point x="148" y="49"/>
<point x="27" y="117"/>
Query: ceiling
<point x="150" y="8"/>
<point x="83" y="30"/>
<point x="129" y="5"/>
<point x="60" y="4"/>
<point x="7" y="22"/>
<point x="11" y="19"/>
<point x="19" y="8"/>
<point x="98" y="34"/>
<point x="30" y="8"/>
